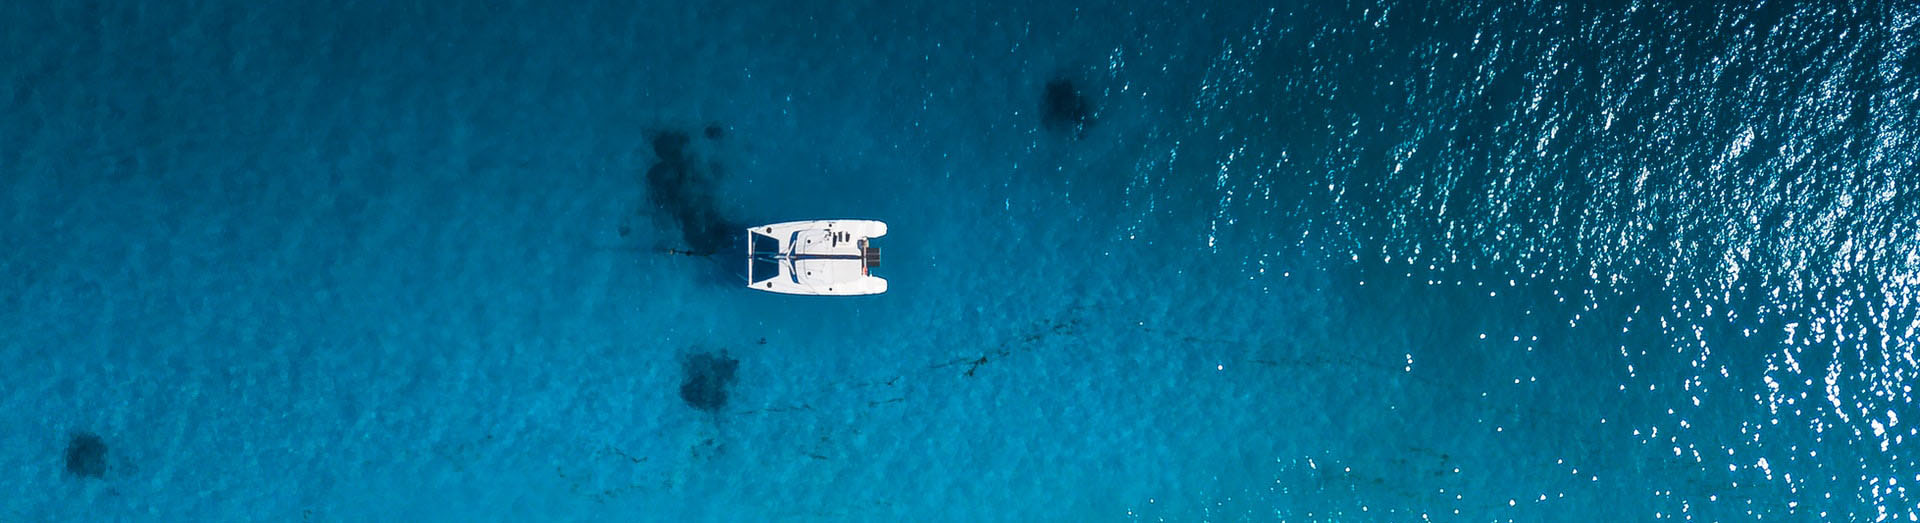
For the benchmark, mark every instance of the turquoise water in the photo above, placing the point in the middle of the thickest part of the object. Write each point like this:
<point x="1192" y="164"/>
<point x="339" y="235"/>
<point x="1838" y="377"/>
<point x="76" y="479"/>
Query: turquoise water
<point x="1486" y="261"/>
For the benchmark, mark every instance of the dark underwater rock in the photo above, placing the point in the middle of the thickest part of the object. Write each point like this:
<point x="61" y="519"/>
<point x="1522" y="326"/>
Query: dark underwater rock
<point x="1065" y="110"/>
<point x="686" y="191"/>
<point x="707" y="379"/>
<point x="86" y="455"/>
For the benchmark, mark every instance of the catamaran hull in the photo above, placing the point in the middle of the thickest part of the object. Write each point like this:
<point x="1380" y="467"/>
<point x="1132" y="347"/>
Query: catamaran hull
<point x="815" y="257"/>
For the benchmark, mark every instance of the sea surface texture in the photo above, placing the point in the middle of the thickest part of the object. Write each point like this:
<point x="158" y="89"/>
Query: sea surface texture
<point x="1209" y="261"/>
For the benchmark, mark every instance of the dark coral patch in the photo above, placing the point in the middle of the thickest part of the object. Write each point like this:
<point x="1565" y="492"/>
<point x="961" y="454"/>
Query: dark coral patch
<point x="707" y="379"/>
<point x="1064" y="109"/>
<point x="86" y="455"/>
<point x="687" y="191"/>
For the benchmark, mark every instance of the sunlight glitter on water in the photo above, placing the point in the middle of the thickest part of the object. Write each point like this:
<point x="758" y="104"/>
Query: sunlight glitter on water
<point x="1782" y="268"/>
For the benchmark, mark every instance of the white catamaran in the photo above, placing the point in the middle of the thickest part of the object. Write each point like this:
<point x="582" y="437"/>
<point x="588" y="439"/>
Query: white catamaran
<point x="818" y="257"/>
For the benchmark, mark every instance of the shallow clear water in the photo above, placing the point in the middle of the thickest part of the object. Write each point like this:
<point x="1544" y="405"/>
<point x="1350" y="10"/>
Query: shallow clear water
<point x="1334" y="262"/>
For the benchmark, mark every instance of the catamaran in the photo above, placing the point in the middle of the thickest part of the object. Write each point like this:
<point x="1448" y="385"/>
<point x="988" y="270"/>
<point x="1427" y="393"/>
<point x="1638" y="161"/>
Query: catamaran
<point x="817" y="257"/>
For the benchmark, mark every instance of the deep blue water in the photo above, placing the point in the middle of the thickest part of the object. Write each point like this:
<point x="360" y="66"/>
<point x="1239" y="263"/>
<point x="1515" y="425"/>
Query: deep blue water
<point x="1317" y="261"/>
